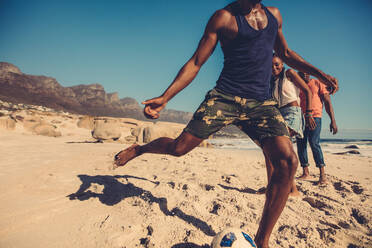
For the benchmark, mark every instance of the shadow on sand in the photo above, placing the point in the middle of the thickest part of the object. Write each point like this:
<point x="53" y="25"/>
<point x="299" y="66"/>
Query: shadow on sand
<point x="115" y="191"/>
<point x="189" y="245"/>
<point x="85" y="142"/>
<point x="246" y="190"/>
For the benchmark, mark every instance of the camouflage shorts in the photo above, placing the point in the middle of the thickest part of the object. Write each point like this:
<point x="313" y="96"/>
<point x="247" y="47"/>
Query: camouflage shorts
<point x="259" y="120"/>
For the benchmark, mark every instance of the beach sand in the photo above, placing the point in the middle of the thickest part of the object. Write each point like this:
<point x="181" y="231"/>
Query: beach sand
<point x="63" y="192"/>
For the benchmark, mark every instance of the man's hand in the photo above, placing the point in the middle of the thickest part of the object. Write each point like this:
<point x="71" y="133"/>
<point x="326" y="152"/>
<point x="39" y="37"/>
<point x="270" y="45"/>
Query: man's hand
<point x="153" y="107"/>
<point x="310" y="122"/>
<point x="331" y="82"/>
<point x="333" y="128"/>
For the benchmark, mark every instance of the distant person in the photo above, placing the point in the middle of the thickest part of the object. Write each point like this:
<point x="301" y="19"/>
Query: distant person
<point x="248" y="33"/>
<point x="286" y="88"/>
<point x="320" y="96"/>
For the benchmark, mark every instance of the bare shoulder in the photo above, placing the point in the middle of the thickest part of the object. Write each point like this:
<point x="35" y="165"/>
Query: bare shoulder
<point x="220" y="19"/>
<point x="290" y="73"/>
<point x="275" y="11"/>
<point x="222" y="14"/>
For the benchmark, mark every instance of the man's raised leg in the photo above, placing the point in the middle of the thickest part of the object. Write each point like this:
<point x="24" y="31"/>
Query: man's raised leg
<point x="176" y="147"/>
<point x="284" y="161"/>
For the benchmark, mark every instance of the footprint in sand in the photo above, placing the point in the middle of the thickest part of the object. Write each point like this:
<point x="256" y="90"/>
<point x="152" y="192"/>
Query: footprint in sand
<point x="327" y="235"/>
<point x="226" y="179"/>
<point x="150" y="230"/>
<point x="334" y="226"/>
<point x="358" y="216"/>
<point x="179" y="186"/>
<point x="344" y="225"/>
<point x="145" y="242"/>
<point x="357" y="189"/>
<point x="318" y="204"/>
<point x="286" y="228"/>
<point x="207" y="187"/>
<point x="216" y="207"/>
<point x="171" y="184"/>
<point x="353" y="246"/>
<point x="340" y="187"/>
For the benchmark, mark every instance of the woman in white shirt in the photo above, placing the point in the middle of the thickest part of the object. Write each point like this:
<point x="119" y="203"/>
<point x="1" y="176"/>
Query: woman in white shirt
<point x="286" y="91"/>
<point x="286" y="87"/>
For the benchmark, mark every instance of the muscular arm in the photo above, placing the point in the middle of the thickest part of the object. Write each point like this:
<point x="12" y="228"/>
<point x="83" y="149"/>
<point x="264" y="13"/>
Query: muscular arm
<point x="329" y="108"/>
<point x="294" y="60"/>
<point x="189" y="71"/>
<point x="300" y="83"/>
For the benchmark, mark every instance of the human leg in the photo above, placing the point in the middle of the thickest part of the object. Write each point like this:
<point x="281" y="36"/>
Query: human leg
<point x="269" y="172"/>
<point x="266" y="126"/>
<point x="302" y="154"/>
<point x="270" y="169"/>
<point x="322" y="176"/>
<point x="176" y="147"/>
<point x="215" y="112"/>
<point x="295" y="123"/>
<point x="314" y="141"/>
<point x="284" y="160"/>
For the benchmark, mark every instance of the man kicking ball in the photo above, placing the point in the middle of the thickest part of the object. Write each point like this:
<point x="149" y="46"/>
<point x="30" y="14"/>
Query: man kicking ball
<point x="248" y="32"/>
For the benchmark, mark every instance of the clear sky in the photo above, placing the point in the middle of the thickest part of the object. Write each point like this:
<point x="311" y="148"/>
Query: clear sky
<point x="137" y="47"/>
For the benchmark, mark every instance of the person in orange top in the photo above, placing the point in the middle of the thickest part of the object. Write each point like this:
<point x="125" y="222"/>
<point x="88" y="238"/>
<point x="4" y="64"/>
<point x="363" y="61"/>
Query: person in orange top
<point x="320" y="96"/>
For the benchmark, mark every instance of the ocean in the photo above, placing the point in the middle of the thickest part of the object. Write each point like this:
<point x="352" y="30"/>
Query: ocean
<point x="364" y="146"/>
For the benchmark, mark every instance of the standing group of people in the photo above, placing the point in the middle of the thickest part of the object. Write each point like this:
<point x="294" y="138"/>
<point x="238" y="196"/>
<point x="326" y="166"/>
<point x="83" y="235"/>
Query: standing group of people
<point x="300" y="101"/>
<point x="248" y="32"/>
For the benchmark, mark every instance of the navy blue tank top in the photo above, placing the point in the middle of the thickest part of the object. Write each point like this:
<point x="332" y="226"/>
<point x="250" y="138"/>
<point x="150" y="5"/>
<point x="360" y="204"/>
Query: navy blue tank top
<point x="248" y="60"/>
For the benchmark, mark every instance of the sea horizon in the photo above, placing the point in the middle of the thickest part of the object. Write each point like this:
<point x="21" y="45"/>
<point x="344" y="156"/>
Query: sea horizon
<point x="329" y="144"/>
<point x="348" y="134"/>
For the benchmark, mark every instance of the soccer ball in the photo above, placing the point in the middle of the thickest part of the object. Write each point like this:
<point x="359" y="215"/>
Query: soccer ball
<point x="234" y="238"/>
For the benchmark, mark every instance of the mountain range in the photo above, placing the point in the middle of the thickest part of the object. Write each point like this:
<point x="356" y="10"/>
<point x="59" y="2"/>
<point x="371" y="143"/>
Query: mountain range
<point x="90" y="99"/>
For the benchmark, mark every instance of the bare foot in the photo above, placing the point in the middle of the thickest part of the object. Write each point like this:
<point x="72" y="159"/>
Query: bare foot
<point x="126" y="155"/>
<point x="295" y="193"/>
<point x="305" y="177"/>
<point x="322" y="181"/>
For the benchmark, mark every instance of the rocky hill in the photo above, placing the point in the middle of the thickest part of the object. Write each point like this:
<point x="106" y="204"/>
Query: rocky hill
<point x="92" y="99"/>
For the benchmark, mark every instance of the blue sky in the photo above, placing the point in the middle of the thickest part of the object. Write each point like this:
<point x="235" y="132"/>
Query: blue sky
<point x="137" y="47"/>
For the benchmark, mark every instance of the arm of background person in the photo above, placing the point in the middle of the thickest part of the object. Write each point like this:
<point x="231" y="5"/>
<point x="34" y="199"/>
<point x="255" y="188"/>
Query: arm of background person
<point x="301" y="84"/>
<point x="329" y="108"/>
<point x="189" y="71"/>
<point x="294" y="60"/>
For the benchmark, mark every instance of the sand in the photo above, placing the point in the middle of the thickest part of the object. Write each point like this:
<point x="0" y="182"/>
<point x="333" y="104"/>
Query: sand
<point x="63" y="192"/>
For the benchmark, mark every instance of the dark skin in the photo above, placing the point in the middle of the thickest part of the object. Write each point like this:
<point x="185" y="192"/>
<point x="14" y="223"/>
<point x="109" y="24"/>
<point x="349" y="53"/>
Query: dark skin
<point x="326" y="99"/>
<point x="222" y="27"/>
<point x="329" y="109"/>
<point x="292" y="75"/>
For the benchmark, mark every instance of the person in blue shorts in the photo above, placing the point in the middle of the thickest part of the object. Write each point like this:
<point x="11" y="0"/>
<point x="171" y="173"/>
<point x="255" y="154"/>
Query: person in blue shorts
<point x="286" y="87"/>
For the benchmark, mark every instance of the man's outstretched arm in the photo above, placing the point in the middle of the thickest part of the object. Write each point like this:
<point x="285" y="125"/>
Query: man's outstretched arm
<point x="294" y="60"/>
<point x="189" y="71"/>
